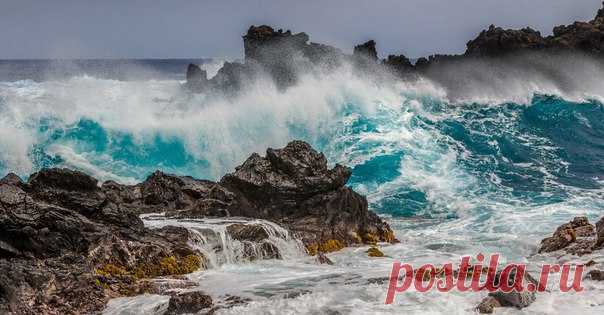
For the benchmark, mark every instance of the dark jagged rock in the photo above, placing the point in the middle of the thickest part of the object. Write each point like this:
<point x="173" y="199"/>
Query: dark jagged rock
<point x="488" y="305"/>
<point x="596" y="275"/>
<point x="281" y="55"/>
<point x="60" y="254"/>
<point x="366" y="50"/>
<point x="262" y="44"/>
<point x="247" y="232"/>
<point x="12" y="179"/>
<point x="275" y="52"/>
<point x="496" y="41"/>
<point x="284" y="55"/>
<point x="68" y="244"/>
<point x="585" y="37"/>
<point x="400" y="64"/>
<point x="514" y="298"/>
<point x="188" y="303"/>
<point x="294" y="172"/>
<point x="197" y="79"/>
<point x="293" y="186"/>
<point x="255" y="239"/>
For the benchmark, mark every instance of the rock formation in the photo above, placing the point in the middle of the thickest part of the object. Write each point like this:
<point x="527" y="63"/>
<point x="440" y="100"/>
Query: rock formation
<point x="68" y="244"/>
<point x="65" y="247"/>
<point x="575" y="237"/>
<point x="496" y="41"/>
<point x="518" y="300"/>
<point x="197" y="79"/>
<point x="283" y="55"/>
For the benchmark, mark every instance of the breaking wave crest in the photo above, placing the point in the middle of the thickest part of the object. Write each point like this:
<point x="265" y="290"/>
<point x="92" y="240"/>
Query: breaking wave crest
<point x="486" y="160"/>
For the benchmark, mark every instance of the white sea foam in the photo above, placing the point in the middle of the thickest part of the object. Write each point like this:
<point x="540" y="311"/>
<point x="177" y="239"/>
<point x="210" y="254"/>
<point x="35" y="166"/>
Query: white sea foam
<point x="353" y="121"/>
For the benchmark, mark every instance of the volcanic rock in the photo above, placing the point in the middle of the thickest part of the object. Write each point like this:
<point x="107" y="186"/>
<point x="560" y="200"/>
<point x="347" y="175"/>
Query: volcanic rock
<point x="366" y="50"/>
<point x="496" y="41"/>
<point x="514" y="298"/>
<point x="197" y="79"/>
<point x="60" y="253"/>
<point x="188" y="303"/>
<point x="293" y="186"/>
<point x="69" y="244"/>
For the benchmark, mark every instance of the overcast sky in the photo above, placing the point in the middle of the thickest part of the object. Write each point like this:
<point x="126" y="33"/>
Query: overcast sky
<point x="187" y="28"/>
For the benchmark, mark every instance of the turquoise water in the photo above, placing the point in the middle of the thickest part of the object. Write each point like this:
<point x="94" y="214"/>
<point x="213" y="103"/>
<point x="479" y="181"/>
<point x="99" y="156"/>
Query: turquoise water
<point x="413" y="153"/>
<point x="494" y="168"/>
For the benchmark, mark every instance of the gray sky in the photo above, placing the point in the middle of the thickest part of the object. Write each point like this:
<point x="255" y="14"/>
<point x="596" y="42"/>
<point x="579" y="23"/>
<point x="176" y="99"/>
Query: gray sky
<point x="187" y="28"/>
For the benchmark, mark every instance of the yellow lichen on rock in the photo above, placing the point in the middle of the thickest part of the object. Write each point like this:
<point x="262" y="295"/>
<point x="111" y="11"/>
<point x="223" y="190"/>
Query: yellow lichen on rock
<point x="110" y="270"/>
<point x="373" y="251"/>
<point x="131" y="281"/>
<point x="330" y="245"/>
<point x="370" y="238"/>
<point x="389" y="236"/>
<point x="312" y="249"/>
<point x="167" y="266"/>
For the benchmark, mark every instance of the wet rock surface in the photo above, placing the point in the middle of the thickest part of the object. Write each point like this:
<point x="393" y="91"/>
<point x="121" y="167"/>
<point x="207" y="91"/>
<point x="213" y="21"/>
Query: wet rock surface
<point x="294" y="187"/>
<point x="65" y="247"/>
<point x="70" y="244"/>
<point x="576" y="237"/>
<point x="188" y="303"/>
<point x="515" y="299"/>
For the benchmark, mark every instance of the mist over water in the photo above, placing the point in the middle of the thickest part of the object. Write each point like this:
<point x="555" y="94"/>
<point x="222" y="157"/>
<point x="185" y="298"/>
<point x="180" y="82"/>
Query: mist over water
<point x="475" y="157"/>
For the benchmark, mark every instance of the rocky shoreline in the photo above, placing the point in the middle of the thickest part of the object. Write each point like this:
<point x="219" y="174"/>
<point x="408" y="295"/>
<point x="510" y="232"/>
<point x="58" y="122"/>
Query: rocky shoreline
<point x="283" y="56"/>
<point x="69" y="244"/>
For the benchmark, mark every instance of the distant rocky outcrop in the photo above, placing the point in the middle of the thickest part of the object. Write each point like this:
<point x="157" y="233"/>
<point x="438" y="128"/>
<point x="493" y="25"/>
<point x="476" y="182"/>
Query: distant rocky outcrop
<point x="366" y="52"/>
<point x="496" y="41"/>
<point x="68" y="245"/>
<point x="279" y="54"/>
<point x="587" y="37"/>
<point x="283" y="55"/>
<point x="197" y="79"/>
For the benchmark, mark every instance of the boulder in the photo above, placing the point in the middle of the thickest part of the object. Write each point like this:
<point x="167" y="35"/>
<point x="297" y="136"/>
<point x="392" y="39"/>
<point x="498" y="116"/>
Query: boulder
<point x="596" y="275"/>
<point x="374" y="251"/>
<point x="247" y="232"/>
<point x="514" y="299"/>
<point x="188" y="303"/>
<point x="574" y="232"/>
<point x="488" y="305"/>
<point x="294" y="172"/>
<point x="295" y="187"/>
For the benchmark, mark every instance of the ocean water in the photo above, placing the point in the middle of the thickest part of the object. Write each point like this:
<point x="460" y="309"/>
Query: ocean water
<point x="492" y="164"/>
